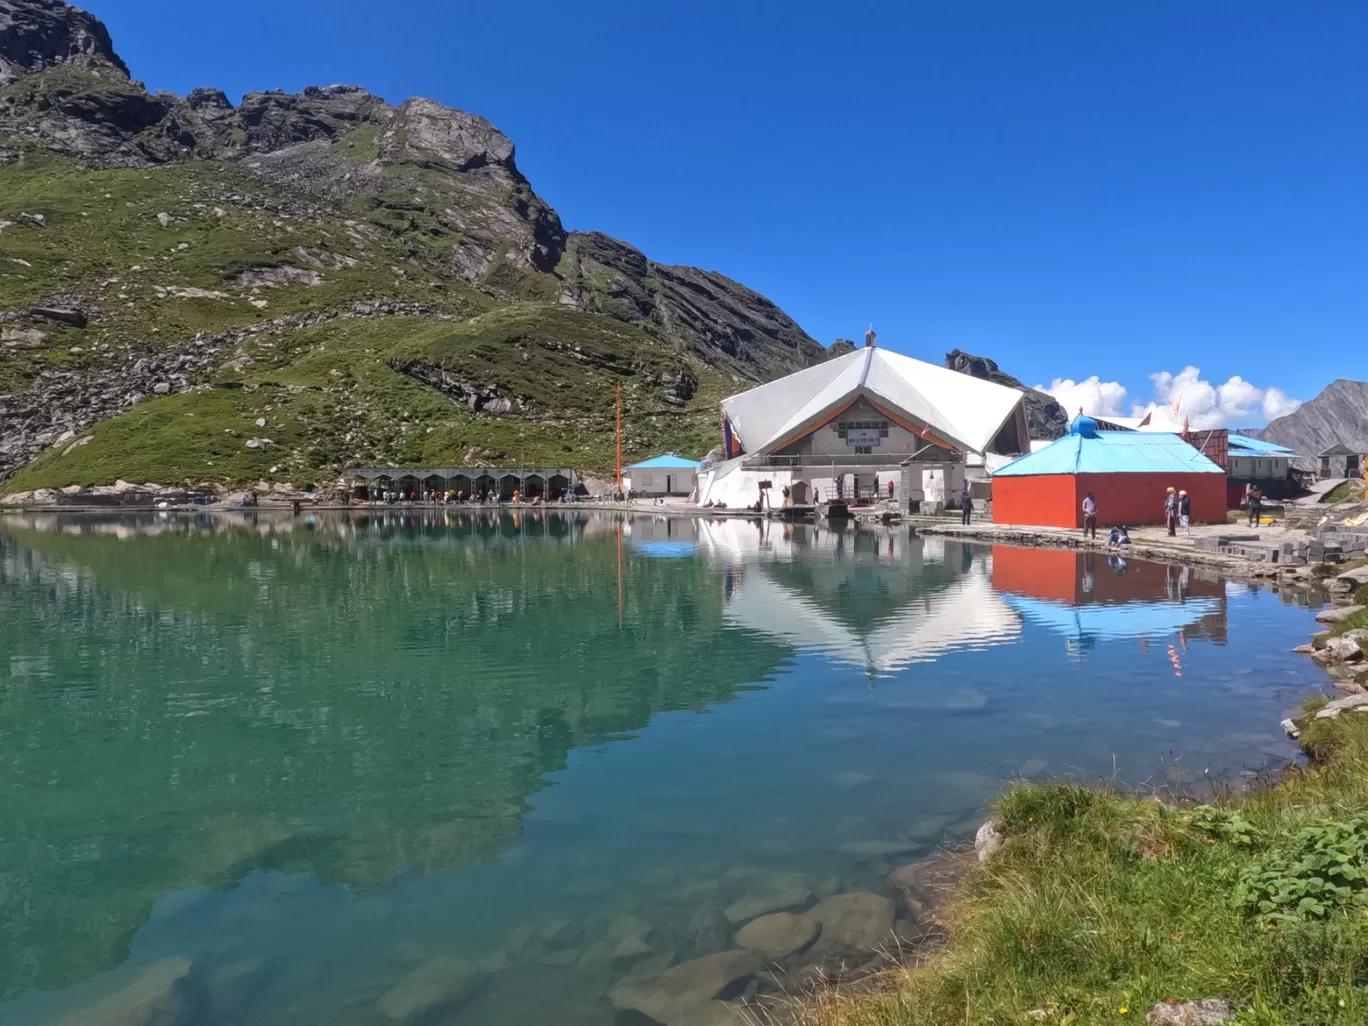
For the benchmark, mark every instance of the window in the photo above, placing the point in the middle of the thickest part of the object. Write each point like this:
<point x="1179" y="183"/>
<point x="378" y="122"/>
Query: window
<point x="863" y="450"/>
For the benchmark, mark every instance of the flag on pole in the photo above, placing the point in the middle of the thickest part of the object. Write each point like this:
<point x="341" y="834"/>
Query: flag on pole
<point x="926" y="431"/>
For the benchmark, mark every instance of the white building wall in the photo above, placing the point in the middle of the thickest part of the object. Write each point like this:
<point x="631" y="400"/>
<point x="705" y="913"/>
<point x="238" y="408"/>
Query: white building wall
<point x="827" y="441"/>
<point x="1257" y="468"/>
<point x="659" y="481"/>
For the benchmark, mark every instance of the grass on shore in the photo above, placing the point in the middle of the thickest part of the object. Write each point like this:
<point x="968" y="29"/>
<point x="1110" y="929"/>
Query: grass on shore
<point x="1099" y="905"/>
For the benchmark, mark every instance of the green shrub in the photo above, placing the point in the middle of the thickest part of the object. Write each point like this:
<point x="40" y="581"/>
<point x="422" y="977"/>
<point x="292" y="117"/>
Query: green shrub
<point x="1225" y="825"/>
<point x="1320" y="870"/>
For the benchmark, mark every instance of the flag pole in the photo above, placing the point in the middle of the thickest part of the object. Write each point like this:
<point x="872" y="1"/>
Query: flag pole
<point x="617" y="485"/>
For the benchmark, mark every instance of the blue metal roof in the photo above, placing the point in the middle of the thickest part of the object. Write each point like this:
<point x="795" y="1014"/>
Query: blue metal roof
<point x="1259" y="445"/>
<point x="667" y="462"/>
<point x="1086" y="450"/>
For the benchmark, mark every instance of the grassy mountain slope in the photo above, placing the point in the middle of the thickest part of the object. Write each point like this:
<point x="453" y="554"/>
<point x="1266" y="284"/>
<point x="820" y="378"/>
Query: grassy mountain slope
<point x="379" y="283"/>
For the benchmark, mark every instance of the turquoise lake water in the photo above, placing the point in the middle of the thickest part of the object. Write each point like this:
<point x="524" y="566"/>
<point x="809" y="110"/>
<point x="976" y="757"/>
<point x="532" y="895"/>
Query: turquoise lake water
<point x="310" y="754"/>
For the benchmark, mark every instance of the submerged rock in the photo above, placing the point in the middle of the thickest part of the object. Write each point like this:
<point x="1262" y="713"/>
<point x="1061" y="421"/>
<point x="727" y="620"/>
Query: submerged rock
<point x="855" y="923"/>
<point x="444" y="983"/>
<point x="159" y="996"/>
<point x="686" y="990"/>
<point x="770" y="892"/>
<point x="563" y="933"/>
<point x="778" y="935"/>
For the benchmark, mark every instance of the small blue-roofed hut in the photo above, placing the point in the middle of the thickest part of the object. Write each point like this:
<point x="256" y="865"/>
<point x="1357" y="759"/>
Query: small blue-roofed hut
<point x="663" y="475"/>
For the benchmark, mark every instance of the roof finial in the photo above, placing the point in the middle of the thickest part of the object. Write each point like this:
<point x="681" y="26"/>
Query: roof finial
<point x="870" y="337"/>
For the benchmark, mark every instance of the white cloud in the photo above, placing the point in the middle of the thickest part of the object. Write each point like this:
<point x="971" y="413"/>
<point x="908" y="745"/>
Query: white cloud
<point x="1095" y="397"/>
<point x="1233" y="403"/>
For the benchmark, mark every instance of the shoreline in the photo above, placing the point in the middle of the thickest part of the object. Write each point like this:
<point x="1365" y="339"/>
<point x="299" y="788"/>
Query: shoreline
<point x="1007" y="534"/>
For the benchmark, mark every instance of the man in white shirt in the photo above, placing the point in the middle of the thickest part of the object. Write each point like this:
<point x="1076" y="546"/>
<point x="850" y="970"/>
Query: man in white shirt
<point x="1090" y="517"/>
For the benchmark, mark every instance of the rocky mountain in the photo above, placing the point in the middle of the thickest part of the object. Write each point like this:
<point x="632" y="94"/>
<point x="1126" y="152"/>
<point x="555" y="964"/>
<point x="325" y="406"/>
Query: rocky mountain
<point x="166" y="260"/>
<point x="1045" y="418"/>
<point x="1339" y="414"/>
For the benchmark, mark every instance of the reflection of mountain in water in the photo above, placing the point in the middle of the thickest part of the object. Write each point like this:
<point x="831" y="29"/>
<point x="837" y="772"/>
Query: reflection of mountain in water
<point x="1088" y="597"/>
<point x="346" y="698"/>
<point x="870" y="599"/>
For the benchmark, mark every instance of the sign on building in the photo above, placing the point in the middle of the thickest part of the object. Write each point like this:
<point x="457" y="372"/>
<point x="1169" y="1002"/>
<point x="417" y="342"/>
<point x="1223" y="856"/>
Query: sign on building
<point x="863" y="436"/>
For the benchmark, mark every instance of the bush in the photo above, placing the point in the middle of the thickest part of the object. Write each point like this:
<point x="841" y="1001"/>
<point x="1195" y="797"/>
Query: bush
<point x="1322" y="869"/>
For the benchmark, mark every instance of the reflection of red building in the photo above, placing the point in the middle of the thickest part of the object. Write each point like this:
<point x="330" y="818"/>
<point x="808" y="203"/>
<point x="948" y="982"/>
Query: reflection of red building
<point x="1067" y="577"/>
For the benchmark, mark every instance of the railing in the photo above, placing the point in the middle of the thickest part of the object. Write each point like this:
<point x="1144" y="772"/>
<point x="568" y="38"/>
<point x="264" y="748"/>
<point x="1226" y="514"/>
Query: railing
<point x="844" y="461"/>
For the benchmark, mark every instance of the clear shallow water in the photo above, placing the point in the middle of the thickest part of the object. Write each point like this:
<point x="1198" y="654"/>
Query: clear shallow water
<point x="310" y="754"/>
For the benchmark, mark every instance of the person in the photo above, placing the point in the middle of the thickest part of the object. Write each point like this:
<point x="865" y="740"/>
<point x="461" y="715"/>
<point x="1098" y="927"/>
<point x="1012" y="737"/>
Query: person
<point x="1119" y="536"/>
<point x="966" y="506"/>
<point x="1255" y="504"/>
<point x="1090" y="516"/>
<point x="1185" y="512"/>
<point x="1171" y="512"/>
<point x="890" y="489"/>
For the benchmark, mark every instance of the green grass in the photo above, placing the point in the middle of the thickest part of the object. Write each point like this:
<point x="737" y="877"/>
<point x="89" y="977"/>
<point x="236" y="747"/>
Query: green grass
<point x="334" y="394"/>
<point x="331" y="397"/>
<point x="1100" y="904"/>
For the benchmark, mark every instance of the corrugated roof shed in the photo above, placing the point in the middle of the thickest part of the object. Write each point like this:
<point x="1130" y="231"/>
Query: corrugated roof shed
<point x="1259" y="445"/>
<point x="1085" y="450"/>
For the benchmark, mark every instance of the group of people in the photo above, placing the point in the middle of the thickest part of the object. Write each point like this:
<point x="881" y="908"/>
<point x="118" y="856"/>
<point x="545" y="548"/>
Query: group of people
<point x="1177" y="513"/>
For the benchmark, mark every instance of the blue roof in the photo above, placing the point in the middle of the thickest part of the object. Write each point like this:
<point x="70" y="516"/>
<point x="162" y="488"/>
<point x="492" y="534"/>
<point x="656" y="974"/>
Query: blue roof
<point x="1086" y="450"/>
<point x="667" y="462"/>
<point x="1259" y="445"/>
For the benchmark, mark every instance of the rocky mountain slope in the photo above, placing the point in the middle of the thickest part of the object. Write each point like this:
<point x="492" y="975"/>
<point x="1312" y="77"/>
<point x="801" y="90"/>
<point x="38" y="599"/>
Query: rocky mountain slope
<point x="328" y="276"/>
<point x="1339" y="414"/>
<point x="1045" y="418"/>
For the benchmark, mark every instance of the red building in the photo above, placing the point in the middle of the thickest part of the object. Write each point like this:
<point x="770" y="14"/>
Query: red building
<point x="1128" y="472"/>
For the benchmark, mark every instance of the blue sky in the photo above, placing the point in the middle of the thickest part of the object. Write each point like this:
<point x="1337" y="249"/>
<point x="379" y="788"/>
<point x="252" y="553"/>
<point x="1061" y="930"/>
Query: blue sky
<point x="1074" y="188"/>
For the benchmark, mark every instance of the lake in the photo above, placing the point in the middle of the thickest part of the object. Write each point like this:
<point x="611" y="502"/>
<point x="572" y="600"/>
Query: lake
<point x="299" y="758"/>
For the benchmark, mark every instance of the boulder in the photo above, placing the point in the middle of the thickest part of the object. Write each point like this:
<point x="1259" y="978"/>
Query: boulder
<point x="1209" y="1012"/>
<point x="854" y="923"/>
<point x="686" y="989"/>
<point x="1338" y="614"/>
<point x="563" y="933"/>
<point x="987" y="840"/>
<point x="629" y="951"/>
<point x="779" y="934"/>
<point x="770" y="892"/>
<point x="1352" y="703"/>
<point x="708" y="929"/>
<point x="159" y="996"/>
<point x="1346" y="647"/>
<point x="627" y="925"/>
<point x="444" y="983"/>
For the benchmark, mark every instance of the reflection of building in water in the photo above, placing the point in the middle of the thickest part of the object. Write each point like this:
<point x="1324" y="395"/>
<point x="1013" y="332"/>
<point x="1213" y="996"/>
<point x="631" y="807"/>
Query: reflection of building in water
<point x="1090" y="597"/>
<point x="865" y="598"/>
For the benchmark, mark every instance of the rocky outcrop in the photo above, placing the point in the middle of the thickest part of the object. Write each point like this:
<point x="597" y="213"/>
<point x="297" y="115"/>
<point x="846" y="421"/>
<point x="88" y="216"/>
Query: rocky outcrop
<point x="39" y="34"/>
<point x="60" y="404"/>
<point x="1339" y="415"/>
<point x="1045" y="418"/>
<point x="721" y="321"/>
